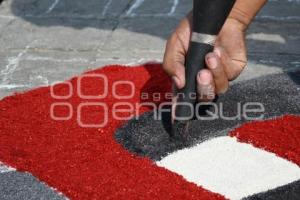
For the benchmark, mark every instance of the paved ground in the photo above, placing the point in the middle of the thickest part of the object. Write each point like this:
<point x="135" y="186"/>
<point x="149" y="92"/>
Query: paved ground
<point x="44" y="41"/>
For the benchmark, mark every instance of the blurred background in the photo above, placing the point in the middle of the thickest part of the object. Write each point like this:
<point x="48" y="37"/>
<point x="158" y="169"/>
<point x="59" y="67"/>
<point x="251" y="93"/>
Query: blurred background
<point x="44" y="41"/>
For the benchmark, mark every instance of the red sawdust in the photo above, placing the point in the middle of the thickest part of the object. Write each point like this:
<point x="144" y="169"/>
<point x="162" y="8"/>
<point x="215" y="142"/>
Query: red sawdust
<point x="280" y="136"/>
<point x="87" y="163"/>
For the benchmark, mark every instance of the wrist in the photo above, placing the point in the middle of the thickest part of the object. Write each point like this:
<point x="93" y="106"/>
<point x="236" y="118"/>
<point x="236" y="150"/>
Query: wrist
<point x="240" y="19"/>
<point x="244" y="11"/>
<point x="236" y="24"/>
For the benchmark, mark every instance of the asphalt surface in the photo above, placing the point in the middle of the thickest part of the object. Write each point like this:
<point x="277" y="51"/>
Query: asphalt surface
<point x="52" y="40"/>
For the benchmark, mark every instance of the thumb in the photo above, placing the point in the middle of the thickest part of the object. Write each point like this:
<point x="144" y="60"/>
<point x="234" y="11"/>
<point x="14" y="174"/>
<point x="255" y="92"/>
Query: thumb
<point x="174" y="60"/>
<point x="178" y="76"/>
<point x="176" y="49"/>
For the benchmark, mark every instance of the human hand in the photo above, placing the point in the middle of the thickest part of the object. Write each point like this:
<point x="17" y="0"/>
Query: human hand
<point x="224" y="64"/>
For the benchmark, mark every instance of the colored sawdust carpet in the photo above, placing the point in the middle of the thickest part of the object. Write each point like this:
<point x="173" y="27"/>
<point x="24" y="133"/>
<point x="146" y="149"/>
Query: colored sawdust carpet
<point x="54" y="133"/>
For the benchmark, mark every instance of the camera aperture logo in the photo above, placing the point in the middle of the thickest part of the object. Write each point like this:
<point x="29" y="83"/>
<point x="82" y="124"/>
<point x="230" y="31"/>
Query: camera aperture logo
<point x="123" y="109"/>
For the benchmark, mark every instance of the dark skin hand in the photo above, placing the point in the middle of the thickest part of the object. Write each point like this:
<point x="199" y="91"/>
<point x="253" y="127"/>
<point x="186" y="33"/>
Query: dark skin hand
<point x="224" y="64"/>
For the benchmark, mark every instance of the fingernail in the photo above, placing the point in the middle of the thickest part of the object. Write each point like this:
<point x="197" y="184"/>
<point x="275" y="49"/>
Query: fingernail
<point x="212" y="61"/>
<point x="176" y="81"/>
<point x="204" y="79"/>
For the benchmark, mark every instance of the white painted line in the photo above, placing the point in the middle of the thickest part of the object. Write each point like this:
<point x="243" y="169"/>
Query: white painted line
<point x="7" y="17"/>
<point x="267" y="37"/>
<point x="134" y="6"/>
<point x="53" y="5"/>
<point x="71" y="60"/>
<point x="277" y="18"/>
<point x="105" y="9"/>
<point x="290" y="1"/>
<point x="12" y="65"/>
<point x="12" y="86"/>
<point x="235" y="170"/>
<point x="173" y="8"/>
<point x="165" y="15"/>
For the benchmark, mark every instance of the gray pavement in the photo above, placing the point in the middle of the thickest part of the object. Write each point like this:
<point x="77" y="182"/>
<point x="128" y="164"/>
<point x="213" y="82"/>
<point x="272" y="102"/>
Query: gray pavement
<point x="44" y="41"/>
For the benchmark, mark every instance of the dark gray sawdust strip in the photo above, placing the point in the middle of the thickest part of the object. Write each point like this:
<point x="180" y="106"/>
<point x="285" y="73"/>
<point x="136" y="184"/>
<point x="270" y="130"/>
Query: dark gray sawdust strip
<point x="287" y="192"/>
<point x="19" y="186"/>
<point x="280" y="95"/>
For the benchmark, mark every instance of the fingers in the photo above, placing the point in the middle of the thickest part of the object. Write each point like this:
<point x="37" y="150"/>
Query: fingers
<point x="175" y="52"/>
<point x="174" y="59"/>
<point x="217" y="69"/>
<point x="205" y="86"/>
<point x="175" y="70"/>
<point x="220" y="70"/>
<point x="232" y="67"/>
